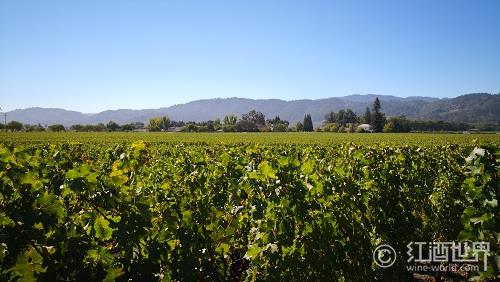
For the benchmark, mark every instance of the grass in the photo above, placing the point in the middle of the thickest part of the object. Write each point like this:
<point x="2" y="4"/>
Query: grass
<point x="319" y="138"/>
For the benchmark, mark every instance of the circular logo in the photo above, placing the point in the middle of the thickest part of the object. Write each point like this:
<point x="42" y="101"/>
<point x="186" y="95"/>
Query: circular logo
<point x="384" y="256"/>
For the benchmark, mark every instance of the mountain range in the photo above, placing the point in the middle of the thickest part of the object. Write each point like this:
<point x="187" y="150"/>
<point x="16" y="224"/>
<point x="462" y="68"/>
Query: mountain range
<point x="469" y="108"/>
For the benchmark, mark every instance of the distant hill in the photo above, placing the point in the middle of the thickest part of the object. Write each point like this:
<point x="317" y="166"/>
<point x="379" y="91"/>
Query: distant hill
<point x="470" y="108"/>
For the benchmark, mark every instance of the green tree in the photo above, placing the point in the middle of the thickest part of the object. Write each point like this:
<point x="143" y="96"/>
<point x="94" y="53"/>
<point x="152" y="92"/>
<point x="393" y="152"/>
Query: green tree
<point x="217" y="124"/>
<point x="127" y="127"/>
<point x="255" y="117"/>
<point x="229" y="123"/>
<point x="277" y="124"/>
<point x="343" y="117"/>
<point x="330" y="127"/>
<point x="112" y="126"/>
<point x="34" y="128"/>
<point x="230" y="119"/>
<point x="244" y="125"/>
<point x="378" y="118"/>
<point x="308" y="124"/>
<point x="56" y="128"/>
<point x="99" y="127"/>
<point x="159" y="123"/>
<point x="299" y="126"/>
<point x="367" y="118"/>
<point x="14" y="126"/>
<point x="397" y="124"/>
<point x="331" y="117"/>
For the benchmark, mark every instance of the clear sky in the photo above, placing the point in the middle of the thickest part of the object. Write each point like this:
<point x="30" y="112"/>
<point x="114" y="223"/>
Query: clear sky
<point x="96" y="55"/>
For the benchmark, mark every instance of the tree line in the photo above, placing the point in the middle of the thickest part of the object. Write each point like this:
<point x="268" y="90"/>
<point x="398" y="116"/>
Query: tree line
<point x="345" y="120"/>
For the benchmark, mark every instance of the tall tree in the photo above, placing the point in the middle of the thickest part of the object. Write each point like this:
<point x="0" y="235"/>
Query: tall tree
<point x="56" y="128"/>
<point x="112" y="126"/>
<point x="255" y="117"/>
<point x="159" y="123"/>
<point x="378" y="118"/>
<point x="299" y="126"/>
<point x="367" y="118"/>
<point x="308" y="124"/>
<point x="331" y="117"/>
<point x="14" y="126"/>
<point x="230" y="120"/>
<point x="277" y="124"/>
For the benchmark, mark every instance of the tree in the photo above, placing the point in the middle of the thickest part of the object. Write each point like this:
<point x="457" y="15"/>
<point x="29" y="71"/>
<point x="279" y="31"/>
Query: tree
<point x="350" y="117"/>
<point x="112" y="126"/>
<point x="56" y="128"/>
<point x="77" y="127"/>
<point x="255" y="117"/>
<point x="14" y="126"/>
<point x="31" y="128"/>
<point x="217" y="124"/>
<point x="397" y="124"/>
<point x="343" y="117"/>
<point x="308" y="124"/>
<point x="128" y="127"/>
<point x="244" y="125"/>
<point x="229" y="123"/>
<point x="378" y="118"/>
<point x="299" y="126"/>
<point x="331" y="117"/>
<point x="330" y="127"/>
<point x="230" y="119"/>
<point x="99" y="127"/>
<point x="159" y="123"/>
<point x="277" y="124"/>
<point x="367" y="118"/>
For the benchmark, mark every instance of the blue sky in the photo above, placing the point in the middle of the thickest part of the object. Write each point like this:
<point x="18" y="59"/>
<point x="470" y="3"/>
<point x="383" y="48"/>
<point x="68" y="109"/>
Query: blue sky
<point x="96" y="55"/>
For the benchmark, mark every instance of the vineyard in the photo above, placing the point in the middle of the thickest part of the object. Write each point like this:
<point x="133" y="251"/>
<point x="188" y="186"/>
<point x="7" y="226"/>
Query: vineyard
<point x="316" y="138"/>
<point x="221" y="210"/>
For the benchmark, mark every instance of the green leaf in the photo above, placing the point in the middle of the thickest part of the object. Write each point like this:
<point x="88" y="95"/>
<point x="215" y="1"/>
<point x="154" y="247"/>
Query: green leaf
<point x="3" y="251"/>
<point x="266" y="169"/>
<point x="102" y="229"/>
<point x="223" y="248"/>
<point x="5" y="220"/>
<point x="252" y="252"/>
<point x="173" y="244"/>
<point x="112" y="274"/>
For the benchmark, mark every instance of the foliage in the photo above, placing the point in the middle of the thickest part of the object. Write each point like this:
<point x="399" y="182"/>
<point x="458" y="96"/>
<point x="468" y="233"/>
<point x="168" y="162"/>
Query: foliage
<point x="56" y="128"/>
<point x="33" y="128"/>
<point x="176" y="211"/>
<point x="318" y="138"/>
<point x="299" y="126"/>
<point x="250" y="120"/>
<point x="330" y="127"/>
<point x="397" y="124"/>
<point x="277" y="124"/>
<point x="14" y="126"/>
<point x="343" y="117"/>
<point x="378" y="118"/>
<point x="308" y="124"/>
<point x="255" y="117"/>
<point x="159" y="123"/>
<point x="112" y="126"/>
<point x="367" y="118"/>
<point x="480" y="218"/>
<point x="230" y="120"/>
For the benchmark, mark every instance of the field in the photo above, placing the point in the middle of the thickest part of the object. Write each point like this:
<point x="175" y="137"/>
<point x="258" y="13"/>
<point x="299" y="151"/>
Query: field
<point x="317" y="138"/>
<point x="220" y="206"/>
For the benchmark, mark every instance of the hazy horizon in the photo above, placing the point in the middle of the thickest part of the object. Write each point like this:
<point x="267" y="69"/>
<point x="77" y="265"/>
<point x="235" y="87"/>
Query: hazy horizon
<point x="203" y="99"/>
<point x="94" y="55"/>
